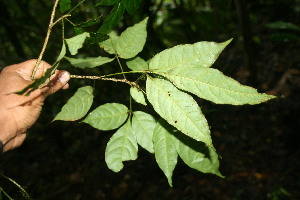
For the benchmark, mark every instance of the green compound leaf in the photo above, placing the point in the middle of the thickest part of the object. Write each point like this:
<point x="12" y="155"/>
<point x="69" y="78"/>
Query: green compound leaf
<point x="77" y="106"/>
<point x="197" y="155"/>
<point x="107" y="117"/>
<point x="137" y="64"/>
<point x="122" y="146"/>
<point x="132" y="40"/>
<point x="107" y="2"/>
<point x="76" y="42"/>
<point x="64" y="5"/>
<point x="109" y="45"/>
<point x="89" y="62"/>
<point x="113" y="19"/>
<point x="143" y="125"/>
<point x="178" y="109"/>
<point x="213" y="85"/>
<point x="165" y="150"/>
<point x="138" y="95"/>
<point x="200" y="54"/>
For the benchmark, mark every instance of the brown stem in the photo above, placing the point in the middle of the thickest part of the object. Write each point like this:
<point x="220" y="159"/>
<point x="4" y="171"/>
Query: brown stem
<point x="46" y="40"/>
<point x="105" y="79"/>
<point x="61" y="18"/>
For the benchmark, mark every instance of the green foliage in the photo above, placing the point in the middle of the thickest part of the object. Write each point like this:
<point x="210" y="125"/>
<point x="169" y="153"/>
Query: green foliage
<point x="89" y="62"/>
<point x="165" y="151"/>
<point x="283" y="25"/>
<point x="138" y="95"/>
<point x="166" y="82"/>
<point x="107" y="2"/>
<point x="200" y="54"/>
<point x="212" y="85"/>
<point x="76" y="42"/>
<point x="286" y="31"/>
<point x="77" y="106"/>
<point x="132" y="40"/>
<point x="113" y="19"/>
<point x="122" y="146"/>
<point x="143" y="126"/>
<point x="137" y="64"/>
<point x="183" y="129"/>
<point x="109" y="45"/>
<point x="178" y="109"/>
<point x="132" y="5"/>
<point x="64" y="5"/>
<point x="196" y="155"/>
<point x="108" y="116"/>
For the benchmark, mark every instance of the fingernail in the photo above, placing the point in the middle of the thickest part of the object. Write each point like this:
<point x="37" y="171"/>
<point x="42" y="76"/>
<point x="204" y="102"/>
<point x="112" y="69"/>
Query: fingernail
<point x="64" y="77"/>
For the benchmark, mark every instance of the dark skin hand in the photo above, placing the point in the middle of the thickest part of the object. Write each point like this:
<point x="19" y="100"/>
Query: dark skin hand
<point x="18" y="112"/>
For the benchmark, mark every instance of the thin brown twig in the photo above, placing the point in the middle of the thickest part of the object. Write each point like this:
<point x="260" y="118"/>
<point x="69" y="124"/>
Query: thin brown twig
<point x="46" y="40"/>
<point x="105" y="79"/>
<point x="61" y="18"/>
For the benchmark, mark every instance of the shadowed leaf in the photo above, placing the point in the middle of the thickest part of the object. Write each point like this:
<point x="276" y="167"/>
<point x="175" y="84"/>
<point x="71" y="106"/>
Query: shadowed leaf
<point x="38" y="83"/>
<point x="113" y="19"/>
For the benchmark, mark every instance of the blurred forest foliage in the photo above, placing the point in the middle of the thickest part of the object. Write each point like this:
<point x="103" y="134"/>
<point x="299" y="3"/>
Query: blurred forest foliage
<point x="66" y="160"/>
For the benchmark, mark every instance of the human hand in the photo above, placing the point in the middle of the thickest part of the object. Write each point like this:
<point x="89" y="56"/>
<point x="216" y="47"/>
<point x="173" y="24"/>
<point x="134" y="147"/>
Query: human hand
<point x="19" y="112"/>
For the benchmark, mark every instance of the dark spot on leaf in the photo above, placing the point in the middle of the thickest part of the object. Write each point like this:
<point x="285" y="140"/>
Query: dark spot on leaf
<point x="175" y="121"/>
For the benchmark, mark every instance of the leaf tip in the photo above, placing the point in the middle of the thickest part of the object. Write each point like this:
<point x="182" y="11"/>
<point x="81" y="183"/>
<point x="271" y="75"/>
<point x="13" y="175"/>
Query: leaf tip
<point x="227" y="42"/>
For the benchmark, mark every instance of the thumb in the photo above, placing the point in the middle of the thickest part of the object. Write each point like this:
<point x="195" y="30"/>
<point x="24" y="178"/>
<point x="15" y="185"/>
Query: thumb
<point x="58" y="82"/>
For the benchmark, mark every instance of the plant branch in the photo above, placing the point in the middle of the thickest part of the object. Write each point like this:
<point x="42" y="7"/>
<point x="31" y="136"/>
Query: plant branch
<point x="46" y="40"/>
<point x="104" y="78"/>
<point x="61" y="18"/>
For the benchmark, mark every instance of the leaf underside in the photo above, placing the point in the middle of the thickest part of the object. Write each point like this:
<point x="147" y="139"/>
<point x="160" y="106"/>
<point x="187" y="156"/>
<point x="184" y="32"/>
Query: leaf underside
<point x="138" y="95"/>
<point x="196" y="154"/>
<point x="89" y="62"/>
<point x="132" y="40"/>
<point x="143" y="125"/>
<point x="76" y="42"/>
<point x="137" y="64"/>
<point x="109" y="45"/>
<point x="178" y="109"/>
<point x="122" y="146"/>
<point x="107" y="117"/>
<point x="200" y="54"/>
<point x="165" y="150"/>
<point x="213" y="85"/>
<point x="77" y="106"/>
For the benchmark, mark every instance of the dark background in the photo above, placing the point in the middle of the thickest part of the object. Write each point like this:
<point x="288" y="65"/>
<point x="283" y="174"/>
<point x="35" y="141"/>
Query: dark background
<point x="258" y="145"/>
